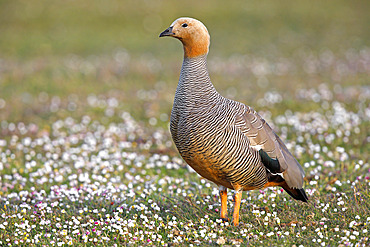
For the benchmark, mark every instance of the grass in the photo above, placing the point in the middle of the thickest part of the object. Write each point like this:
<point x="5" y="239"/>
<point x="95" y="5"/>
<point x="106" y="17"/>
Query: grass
<point x="86" y="90"/>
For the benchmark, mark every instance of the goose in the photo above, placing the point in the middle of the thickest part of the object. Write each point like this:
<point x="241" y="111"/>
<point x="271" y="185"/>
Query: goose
<point x="224" y="141"/>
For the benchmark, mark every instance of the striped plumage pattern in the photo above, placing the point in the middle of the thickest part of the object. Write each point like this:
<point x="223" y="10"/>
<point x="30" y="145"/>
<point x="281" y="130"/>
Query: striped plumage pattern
<point x="213" y="132"/>
<point x="223" y="140"/>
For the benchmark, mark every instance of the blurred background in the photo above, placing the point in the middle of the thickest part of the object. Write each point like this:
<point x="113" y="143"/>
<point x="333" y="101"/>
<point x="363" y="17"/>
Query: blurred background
<point x="59" y="57"/>
<point x="86" y="91"/>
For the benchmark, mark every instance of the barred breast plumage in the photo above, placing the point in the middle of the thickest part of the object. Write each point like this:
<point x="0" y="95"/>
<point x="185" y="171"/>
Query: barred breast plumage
<point x="223" y="140"/>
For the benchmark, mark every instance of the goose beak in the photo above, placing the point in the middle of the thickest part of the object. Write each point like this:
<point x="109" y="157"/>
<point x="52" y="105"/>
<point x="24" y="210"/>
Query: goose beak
<point x="167" y="32"/>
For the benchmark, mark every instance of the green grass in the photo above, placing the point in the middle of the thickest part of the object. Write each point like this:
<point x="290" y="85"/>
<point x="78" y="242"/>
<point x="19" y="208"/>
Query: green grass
<point x="86" y="89"/>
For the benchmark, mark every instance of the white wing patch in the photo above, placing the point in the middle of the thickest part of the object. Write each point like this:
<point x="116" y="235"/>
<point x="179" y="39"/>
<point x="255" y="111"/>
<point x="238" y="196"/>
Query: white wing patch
<point x="257" y="147"/>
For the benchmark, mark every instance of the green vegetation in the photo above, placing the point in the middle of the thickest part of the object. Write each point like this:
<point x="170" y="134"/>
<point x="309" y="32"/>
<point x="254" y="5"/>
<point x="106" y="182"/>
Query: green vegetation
<point x="86" y="89"/>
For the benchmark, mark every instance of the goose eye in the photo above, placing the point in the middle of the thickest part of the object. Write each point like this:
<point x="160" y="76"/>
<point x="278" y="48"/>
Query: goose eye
<point x="184" y="25"/>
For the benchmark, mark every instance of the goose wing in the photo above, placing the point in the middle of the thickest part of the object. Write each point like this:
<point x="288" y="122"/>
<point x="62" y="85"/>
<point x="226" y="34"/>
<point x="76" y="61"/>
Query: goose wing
<point x="262" y="136"/>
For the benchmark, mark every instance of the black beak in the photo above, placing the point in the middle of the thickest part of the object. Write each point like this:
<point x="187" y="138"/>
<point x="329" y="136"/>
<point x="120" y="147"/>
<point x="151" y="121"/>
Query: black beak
<point x="167" y="32"/>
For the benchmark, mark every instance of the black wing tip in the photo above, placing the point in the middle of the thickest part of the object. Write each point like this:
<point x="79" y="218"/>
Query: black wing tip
<point x="298" y="194"/>
<point x="303" y="197"/>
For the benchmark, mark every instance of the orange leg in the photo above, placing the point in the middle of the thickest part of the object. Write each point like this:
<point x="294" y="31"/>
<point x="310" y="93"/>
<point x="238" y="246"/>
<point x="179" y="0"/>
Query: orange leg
<point x="223" y="196"/>
<point x="237" y="199"/>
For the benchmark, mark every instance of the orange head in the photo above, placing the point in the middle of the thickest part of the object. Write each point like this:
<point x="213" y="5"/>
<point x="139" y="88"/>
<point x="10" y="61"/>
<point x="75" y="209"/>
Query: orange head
<point x="193" y="35"/>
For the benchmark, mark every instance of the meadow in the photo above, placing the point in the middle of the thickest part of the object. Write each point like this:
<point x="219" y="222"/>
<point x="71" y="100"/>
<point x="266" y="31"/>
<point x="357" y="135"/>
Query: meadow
<point x="86" y="90"/>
